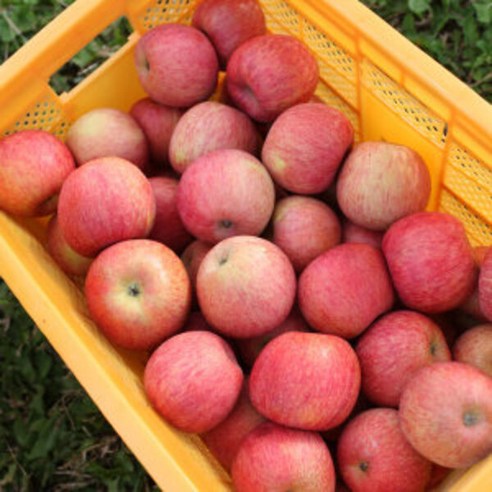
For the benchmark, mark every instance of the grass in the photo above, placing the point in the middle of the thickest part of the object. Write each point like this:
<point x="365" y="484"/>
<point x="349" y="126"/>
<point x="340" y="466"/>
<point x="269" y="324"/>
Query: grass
<point x="52" y="437"/>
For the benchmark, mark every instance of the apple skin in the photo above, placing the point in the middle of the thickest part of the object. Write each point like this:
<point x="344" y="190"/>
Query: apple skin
<point x="193" y="380"/>
<point x="229" y="23"/>
<point x="225" y="193"/>
<point x="267" y="74"/>
<point x="176" y="65"/>
<point x="209" y="126"/>
<point x="485" y="286"/>
<point x="157" y="122"/>
<point x="474" y="347"/>
<point x="345" y="276"/>
<point x="105" y="201"/>
<point x="430" y="260"/>
<point x="374" y="455"/>
<point x="33" y="166"/>
<point x="307" y="381"/>
<point x="354" y="233"/>
<point x="246" y="286"/>
<point x="381" y="182"/>
<point x="393" y="349"/>
<point x="305" y="147"/>
<point x="304" y="227"/>
<point x="138" y="293"/>
<point x="168" y="227"/>
<point x="273" y="457"/>
<point x="446" y="413"/>
<point x="107" y="132"/>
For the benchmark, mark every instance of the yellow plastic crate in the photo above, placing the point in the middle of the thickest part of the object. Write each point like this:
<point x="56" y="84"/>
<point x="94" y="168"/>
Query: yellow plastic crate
<point x="387" y="87"/>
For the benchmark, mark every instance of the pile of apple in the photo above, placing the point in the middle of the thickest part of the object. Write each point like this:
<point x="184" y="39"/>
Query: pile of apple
<point x="301" y="310"/>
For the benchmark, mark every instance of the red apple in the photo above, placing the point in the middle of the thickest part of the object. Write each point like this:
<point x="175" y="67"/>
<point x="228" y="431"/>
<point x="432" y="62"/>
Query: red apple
<point x="393" y="349"/>
<point x="374" y="455"/>
<point x="267" y="74"/>
<point x="345" y="289"/>
<point x="229" y="23"/>
<point x="210" y="126"/>
<point x="225" y="193"/>
<point x="304" y="227"/>
<point x="177" y="65"/>
<point x="306" y="380"/>
<point x="381" y="182"/>
<point x="138" y="293"/>
<point x="485" y="286"/>
<point x="354" y="233"/>
<point x="33" y="166"/>
<point x="107" y="132"/>
<point x="305" y="147"/>
<point x="273" y="457"/>
<point x="246" y="286"/>
<point x="446" y="413"/>
<point x="104" y="201"/>
<point x="430" y="261"/>
<point x="193" y="380"/>
<point x="474" y="347"/>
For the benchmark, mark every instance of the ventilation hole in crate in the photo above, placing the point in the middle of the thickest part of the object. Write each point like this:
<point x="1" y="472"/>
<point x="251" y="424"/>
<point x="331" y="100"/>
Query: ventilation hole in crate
<point x="165" y="11"/>
<point x="346" y="89"/>
<point x="469" y="165"/>
<point x="280" y="17"/>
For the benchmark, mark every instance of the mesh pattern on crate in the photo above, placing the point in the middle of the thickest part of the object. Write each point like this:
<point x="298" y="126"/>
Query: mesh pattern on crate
<point x="404" y="104"/>
<point x="281" y="18"/>
<point x="163" y="11"/>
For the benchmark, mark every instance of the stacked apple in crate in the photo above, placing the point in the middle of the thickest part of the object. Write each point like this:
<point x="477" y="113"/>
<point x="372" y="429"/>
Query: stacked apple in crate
<point x="290" y="289"/>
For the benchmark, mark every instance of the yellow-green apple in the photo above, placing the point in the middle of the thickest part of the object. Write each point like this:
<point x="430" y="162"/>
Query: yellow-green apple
<point x="430" y="260"/>
<point x="246" y="286"/>
<point x="157" y="122"/>
<point x="474" y="347"/>
<point x="354" y="233"/>
<point x="193" y="380"/>
<point x="168" y="227"/>
<point x="138" y="293"/>
<point x="393" y="349"/>
<point x="485" y="286"/>
<point x="446" y="413"/>
<point x="381" y="182"/>
<point x="224" y="193"/>
<point x="208" y="126"/>
<point x="374" y="455"/>
<point x="269" y="73"/>
<point x="107" y="132"/>
<point x="304" y="227"/>
<point x="274" y="457"/>
<point x="345" y="289"/>
<point x="105" y="201"/>
<point x="176" y="64"/>
<point x="305" y="147"/>
<point x="305" y="380"/>
<point x="229" y="23"/>
<point x="65" y="256"/>
<point x="224" y="439"/>
<point x="33" y="166"/>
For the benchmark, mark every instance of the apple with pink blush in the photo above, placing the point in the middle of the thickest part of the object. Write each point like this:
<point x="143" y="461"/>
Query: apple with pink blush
<point x="474" y="347"/>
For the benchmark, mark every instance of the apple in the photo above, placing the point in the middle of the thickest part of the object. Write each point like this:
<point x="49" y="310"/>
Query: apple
<point x="267" y="74"/>
<point x="229" y="23"/>
<point x="345" y="289"/>
<point x="193" y="380"/>
<point x="157" y="122"/>
<point x="107" y="132"/>
<point x="381" y="182"/>
<point x="209" y="126"/>
<point x="430" y="260"/>
<point x="374" y="455"/>
<point x="224" y="193"/>
<point x="474" y="347"/>
<point x="485" y="286"/>
<point x="305" y="380"/>
<point x="393" y="348"/>
<point x="354" y="233"/>
<point x="305" y="147"/>
<point x="273" y="457"/>
<point x="138" y="293"/>
<point x="33" y="166"/>
<point x="246" y="286"/>
<point x="176" y="65"/>
<point x="446" y="413"/>
<point x="304" y="227"/>
<point x="105" y="201"/>
<point x="168" y="227"/>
